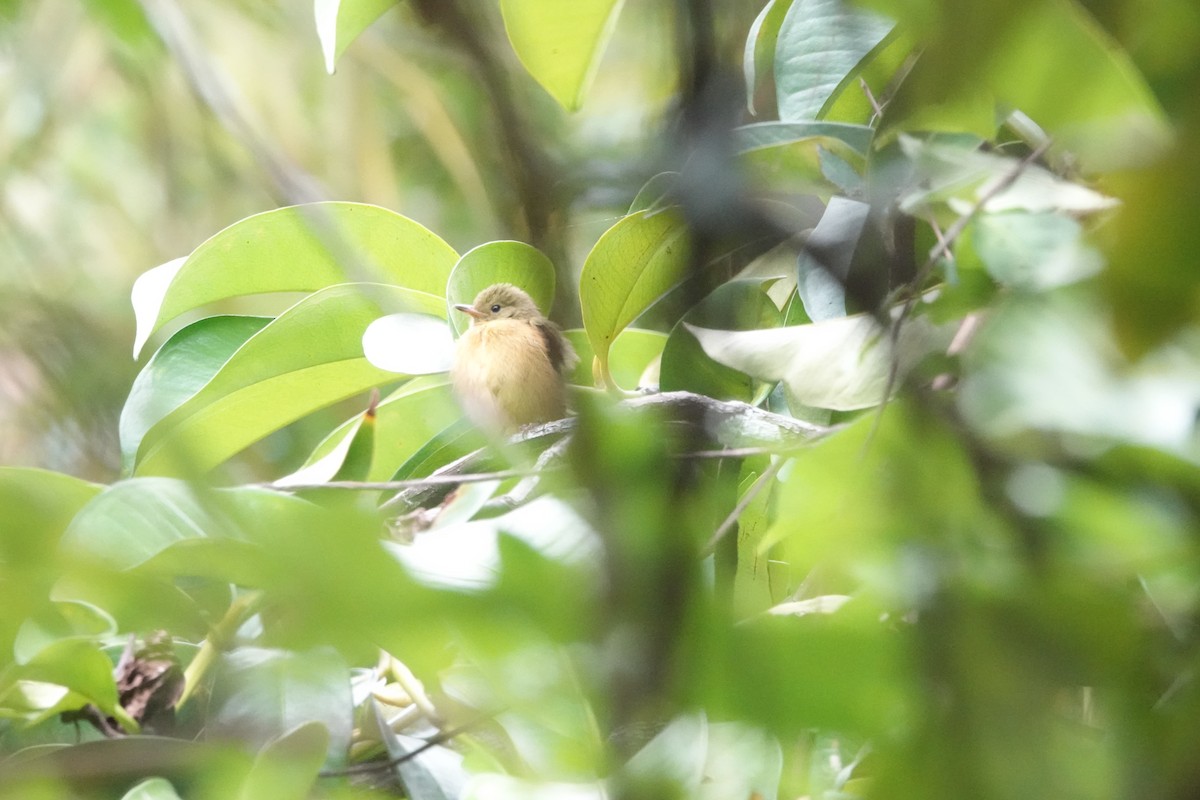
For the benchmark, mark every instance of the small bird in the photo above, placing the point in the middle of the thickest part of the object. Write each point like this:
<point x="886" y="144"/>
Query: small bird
<point x="509" y="365"/>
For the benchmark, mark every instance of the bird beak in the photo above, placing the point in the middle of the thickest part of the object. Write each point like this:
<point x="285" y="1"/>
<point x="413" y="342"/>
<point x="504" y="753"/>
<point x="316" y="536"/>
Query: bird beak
<point x="469" y="310"/>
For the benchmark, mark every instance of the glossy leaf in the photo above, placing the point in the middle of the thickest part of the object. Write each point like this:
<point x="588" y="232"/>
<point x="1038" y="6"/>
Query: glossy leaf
<point x="411" y="344"/>
<point x="404" y="422"/>
<point x="561" y="43"/>
<point x="841" y="363"/>
<point x="179" y="369"/>
<point x="632" y="358"/>
<point x="307" y="358"/>
<point x="339" y="22"/>
<point x="517" y="263"/>
<point x="633" y="264"/>
<point x="824" y="263"/>
<point x="820" y="42"/>
<point x="760" y="46"/>
<point x="736" y="305"/>
<point x="295" y="249"/>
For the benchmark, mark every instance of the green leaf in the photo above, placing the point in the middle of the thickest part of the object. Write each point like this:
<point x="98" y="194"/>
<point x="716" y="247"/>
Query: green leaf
<point x="179" y="369"/>
<point x="769" y="134"/>
<point x="339" y="22"/>
<point x="655" y="193"/>
<point x="799" y="165"/>
<point x="820" y="42"/>
<point x="79" y="665"/>
<point x="404" y="422"/>
<point x="517" y="263"/>
<point x="135" y="520"/>
<point x="287" y="767"/>
<point x="824" y="263"/>
<point x="436" y="773"/>
<point x="561" y="43"/>
<point x="736" y="305"/>
<point x="1033" y="251"/>
<point x="294" y="249"/>
<point x="265" y="694"/>
<point x="152" y="789"/>
<point x="840" y="363"/>
<point x="633" y="355"/>
<point x="307" y="358"/>
<point x="760" y="45"/>
<point x="633" y="264"/>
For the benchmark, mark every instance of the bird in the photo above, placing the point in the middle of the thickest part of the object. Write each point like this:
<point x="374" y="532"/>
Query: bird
<point x="510" y="365"/>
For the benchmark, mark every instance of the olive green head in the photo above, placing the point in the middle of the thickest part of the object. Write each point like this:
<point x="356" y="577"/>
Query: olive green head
<point x="501" y="301"/>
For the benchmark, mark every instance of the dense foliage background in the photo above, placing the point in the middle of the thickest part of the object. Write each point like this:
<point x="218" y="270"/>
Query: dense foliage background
<point x="915" y="513"/>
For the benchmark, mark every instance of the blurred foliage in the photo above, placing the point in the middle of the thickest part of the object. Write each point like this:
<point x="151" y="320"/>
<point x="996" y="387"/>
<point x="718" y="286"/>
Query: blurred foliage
<point x="957" y="235"/>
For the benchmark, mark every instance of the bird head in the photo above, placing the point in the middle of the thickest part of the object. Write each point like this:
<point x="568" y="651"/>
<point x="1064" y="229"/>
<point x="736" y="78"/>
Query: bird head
<point x="500" y="301"/>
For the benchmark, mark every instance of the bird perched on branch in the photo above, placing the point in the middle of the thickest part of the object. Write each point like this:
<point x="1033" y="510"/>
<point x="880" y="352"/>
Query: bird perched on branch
<point x="509" y="366"/>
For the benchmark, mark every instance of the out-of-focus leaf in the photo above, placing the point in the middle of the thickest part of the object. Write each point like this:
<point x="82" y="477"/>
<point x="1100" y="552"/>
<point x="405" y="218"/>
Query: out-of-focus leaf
<point x="307" y="358"/>
<point x="517" y="263"/>
<point x="561" y="43"/>
<point x="771" y="134"/>
<point x="411" y="344"/>
<point x="841" y="364"/>
<point x="760" y="45"/>
<point x="79" y="665"/>
<point x="454" y="441"/>
<point x="752" y="586"/>
<point x="633" y="264"/>
<point x="824" y="264"/>
<point x="152" y="789"/>
<point x="958" y="175"/>
<point x="820" y="42"/>
<point x="798" y="165"/>
<point x="1048" y="58"/>
<point x="265" y="694"/>
<point x="135" y="520"/>
<point x="179" y="369"/>
<point x="879" y="70"/>
<point x="673" y="761"/>
<point x="295" y="249"/>
<point x="1033" y="251"/>
<point x="64" y="619"/>
<point x="436" y="773"/>
<point x="741" y="762"/>
<point x="287" y="767"/>
<point x="633" y="353"/>
<point x="339" y="22"/>
<point x="655" y="193"/>
<point x="736" y="305"/>
<point x="404" y="422"/>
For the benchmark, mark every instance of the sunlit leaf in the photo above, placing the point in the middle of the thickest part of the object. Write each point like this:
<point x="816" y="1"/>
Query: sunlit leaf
<point x="1034" y="251"/>
<point x="152" y="789"/>
<point x="760" y="46"/>
<point x="820" y="42"/>
<point x="632" y="356"/>
<point x="517" y="263"/>
<point x="307" y="358"/>
<point x="736" y="305"/>
<point x="634" y="263"/>
<point x="412" y="344"/>
<point x="339" y="22"/>
<point x="295" y="249"/>
<point x="404" y="422"/>
<point x="561" y="43"/>
<point x="841" y="363"/>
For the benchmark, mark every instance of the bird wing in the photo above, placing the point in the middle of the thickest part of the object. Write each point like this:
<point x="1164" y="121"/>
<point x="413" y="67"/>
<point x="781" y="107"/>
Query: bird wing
<point x="562" y="354"/>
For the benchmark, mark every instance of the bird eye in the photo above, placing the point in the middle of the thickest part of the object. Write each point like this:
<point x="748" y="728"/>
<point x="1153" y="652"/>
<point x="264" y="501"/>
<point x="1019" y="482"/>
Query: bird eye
<point x="496" y="308"/>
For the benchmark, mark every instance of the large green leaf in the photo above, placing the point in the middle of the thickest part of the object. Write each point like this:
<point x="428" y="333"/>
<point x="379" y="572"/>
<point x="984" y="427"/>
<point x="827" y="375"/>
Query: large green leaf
<point x="339" y="22"/>
<point x="820" y="42"/>
<point x="840" y="363"/>
<point x="404" y="422"/>
<point x="736" y="305"/>
<point x="760" y="45"/>
<point x="499" y="262"/>
<point x="561" y="43"/>
<point x="824" y="263"/>
<point x="294" y="249"/>
<point x="179" y="369"/>
<point x="633" y="264"/>
<point x="770" y="134"/>
<point x="632" y="357"/>
<point x="288" y="766"/>
<point x="307" y="358"/>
